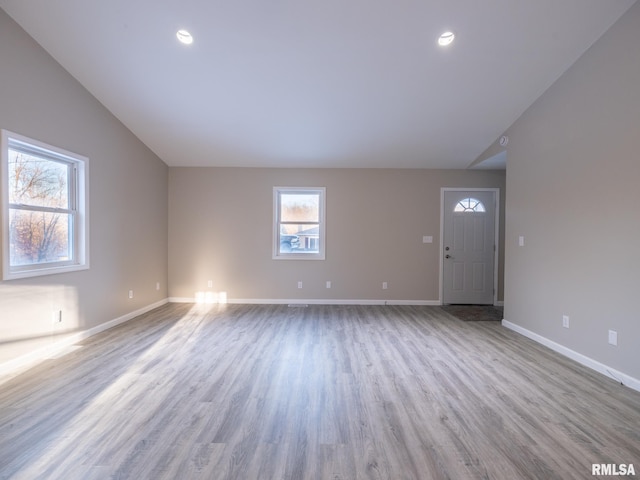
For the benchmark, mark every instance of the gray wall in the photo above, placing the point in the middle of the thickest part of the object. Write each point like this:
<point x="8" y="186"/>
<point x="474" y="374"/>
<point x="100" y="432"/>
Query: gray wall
<point x="573" y="191"/>
<point x="220" y="229"/>
<point x="128" y="202"/>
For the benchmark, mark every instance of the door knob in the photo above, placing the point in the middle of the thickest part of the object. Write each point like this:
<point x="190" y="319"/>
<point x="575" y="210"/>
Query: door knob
<point x="447" y="256"/>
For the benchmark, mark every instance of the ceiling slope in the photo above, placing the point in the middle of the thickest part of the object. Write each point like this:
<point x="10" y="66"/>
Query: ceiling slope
<point x="357" y="83"/>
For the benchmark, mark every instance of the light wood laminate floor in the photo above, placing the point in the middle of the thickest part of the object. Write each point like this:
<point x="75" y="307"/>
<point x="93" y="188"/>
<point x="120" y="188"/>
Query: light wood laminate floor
<point x="324" y="392"/>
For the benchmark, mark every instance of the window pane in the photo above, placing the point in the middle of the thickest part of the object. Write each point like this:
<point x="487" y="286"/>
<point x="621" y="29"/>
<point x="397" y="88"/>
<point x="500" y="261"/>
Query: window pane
<point x="299" y="218"/>
<point x="37" y="181"/>
<point x="469" y="205"/>
<point x="299" y="207"/>
<point x="299" y="238"/>
<point x="38" y="237"/>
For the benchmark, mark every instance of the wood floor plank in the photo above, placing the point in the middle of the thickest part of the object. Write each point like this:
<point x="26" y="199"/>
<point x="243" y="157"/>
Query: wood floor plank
<point x="323" y="392"/>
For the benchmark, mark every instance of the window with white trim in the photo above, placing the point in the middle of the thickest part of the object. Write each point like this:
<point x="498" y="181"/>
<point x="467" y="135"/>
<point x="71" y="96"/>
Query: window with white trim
<point x="469" y="205"/>
<point x="44" y="208"/>
<point x="299" y="223"/>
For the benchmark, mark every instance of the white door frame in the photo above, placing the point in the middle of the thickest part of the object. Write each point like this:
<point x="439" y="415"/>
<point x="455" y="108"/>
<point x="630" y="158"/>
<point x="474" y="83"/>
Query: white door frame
<point x="496" y="236"/>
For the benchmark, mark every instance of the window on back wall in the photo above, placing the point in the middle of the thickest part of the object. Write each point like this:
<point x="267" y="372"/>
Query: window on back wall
<point x="44" y="209"/>
<point x="299" y="223"/>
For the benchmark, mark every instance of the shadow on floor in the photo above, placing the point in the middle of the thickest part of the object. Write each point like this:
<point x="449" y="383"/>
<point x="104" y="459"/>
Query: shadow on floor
<point x="475" y="313"/>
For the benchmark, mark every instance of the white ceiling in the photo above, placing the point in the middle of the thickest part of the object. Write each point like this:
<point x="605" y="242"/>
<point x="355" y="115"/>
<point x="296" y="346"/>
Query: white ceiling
<point x="317" y="83"/>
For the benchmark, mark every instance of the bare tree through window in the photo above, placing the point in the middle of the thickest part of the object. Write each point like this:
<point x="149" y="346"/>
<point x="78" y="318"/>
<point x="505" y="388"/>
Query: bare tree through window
<point x="45" y="208"/>
<point x="39" y="209"/>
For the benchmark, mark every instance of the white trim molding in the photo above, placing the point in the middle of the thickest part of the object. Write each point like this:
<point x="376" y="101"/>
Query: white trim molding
<point x="607" y="371"/>
<point x="309" y="301"/>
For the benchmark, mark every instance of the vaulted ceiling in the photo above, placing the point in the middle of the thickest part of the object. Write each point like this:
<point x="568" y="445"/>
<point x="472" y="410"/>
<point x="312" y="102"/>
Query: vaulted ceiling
<point x="331" y="83"/>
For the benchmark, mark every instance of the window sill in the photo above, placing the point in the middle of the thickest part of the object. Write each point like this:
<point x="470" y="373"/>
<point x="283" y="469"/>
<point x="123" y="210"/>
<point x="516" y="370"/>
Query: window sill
<point x="42" y="271"/>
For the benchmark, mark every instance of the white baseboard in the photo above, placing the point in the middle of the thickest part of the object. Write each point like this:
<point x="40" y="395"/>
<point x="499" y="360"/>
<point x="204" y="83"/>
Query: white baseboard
<point x="312" y="301"/>
<point x="55" y="348"/>
<point x="623" y="378"/>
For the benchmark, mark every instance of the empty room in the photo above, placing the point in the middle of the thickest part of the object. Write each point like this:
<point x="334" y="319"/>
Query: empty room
<point x="319" y="240"/>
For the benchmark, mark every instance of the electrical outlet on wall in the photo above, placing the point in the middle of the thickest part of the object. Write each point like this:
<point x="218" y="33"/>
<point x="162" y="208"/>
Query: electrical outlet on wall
<point x="613" y="337"/>
<point x="385" y="285"/>
<point x="565" y="321"/>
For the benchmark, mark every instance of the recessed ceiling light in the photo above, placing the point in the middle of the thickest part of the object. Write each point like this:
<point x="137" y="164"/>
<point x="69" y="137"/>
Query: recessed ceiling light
<point x="446" y="38"/>
<point x="185" y="37"/>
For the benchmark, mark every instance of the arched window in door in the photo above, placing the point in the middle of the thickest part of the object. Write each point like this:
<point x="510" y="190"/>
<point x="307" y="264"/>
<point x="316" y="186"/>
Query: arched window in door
<point x="469" y="205"/>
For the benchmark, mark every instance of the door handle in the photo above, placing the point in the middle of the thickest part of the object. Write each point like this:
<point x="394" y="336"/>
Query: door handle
<point x="448" y="256"/>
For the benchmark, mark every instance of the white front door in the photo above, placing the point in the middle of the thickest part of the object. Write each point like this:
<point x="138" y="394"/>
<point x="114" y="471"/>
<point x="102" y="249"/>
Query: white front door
<point x="468" y="242"/>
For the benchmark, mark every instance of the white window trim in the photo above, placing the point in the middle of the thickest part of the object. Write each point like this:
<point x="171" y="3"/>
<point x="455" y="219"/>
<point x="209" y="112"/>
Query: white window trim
<point x="81" y="224"/>
<point x="276" y="223"/>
